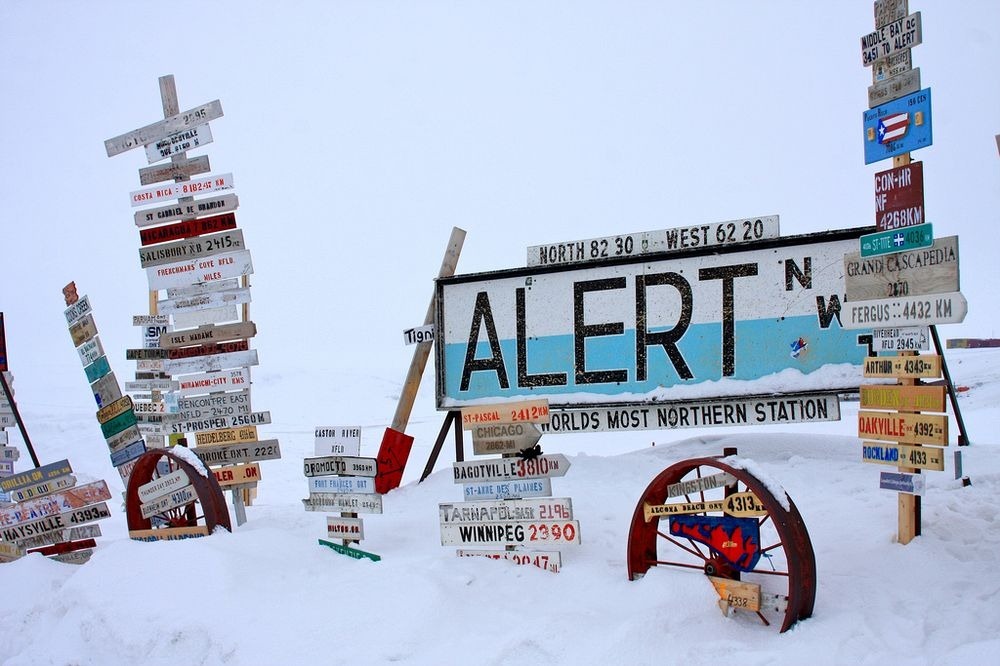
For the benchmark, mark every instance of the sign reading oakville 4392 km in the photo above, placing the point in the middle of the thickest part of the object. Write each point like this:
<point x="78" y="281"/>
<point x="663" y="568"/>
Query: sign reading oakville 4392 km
<point x="665" y="327"/>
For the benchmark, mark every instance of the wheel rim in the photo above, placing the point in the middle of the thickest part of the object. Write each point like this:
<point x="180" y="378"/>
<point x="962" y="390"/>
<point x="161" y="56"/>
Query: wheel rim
<point x="208" y="509"/>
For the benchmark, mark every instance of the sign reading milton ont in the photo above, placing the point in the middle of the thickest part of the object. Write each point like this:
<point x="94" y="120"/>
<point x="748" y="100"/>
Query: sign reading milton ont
<point x="686" y="326"/>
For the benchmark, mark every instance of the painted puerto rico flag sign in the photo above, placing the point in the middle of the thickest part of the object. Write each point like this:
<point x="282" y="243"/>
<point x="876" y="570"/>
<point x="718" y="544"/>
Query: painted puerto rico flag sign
<point x="898" y="127"/>
<point x="737" y="540"/>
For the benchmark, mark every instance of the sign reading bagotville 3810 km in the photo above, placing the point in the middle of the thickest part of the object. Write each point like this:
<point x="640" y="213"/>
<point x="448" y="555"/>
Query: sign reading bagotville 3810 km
<point x="650" y="329"/>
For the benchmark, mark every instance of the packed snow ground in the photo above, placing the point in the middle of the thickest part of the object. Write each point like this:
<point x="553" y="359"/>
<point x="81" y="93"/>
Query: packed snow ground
<point x="269" y="594"/>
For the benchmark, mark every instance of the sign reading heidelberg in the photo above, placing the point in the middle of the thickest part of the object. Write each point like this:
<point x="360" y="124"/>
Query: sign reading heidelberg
<point x="686" y="326"/>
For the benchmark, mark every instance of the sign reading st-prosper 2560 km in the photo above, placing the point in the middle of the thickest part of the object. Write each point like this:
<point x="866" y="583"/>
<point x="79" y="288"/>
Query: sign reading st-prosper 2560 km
<point x="652" y="329"/>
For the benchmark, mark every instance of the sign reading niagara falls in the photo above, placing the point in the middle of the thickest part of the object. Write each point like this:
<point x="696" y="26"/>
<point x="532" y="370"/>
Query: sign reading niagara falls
<point x="692" y="325"/>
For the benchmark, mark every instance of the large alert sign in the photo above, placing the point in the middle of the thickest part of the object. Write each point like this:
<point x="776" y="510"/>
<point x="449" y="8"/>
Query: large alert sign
<point x="684" y="326"/>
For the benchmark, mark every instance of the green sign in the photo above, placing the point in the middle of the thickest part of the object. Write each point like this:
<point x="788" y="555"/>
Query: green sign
<point x="897" y="240"/>
<point x="119" y="423"/>
<point x="350" y="552"/>
<point x="97" y="369"/>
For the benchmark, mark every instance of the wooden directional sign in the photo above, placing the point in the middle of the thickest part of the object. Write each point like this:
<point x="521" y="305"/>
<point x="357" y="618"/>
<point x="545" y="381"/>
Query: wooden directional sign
<point x="53" y="503"/>
<point x="189" y="249"/>
<point x="106" y="389"/>
<point x="735" y="594"/>
<point x="209" y="269"/>
<point x="187" y="188"/>
<point x="545" y="508"/>
<point x="350" y="529"/>
<point x="213" y="363"/>
<point x="508" y="489"/>
<point x="895" y="65"/>
<point x="90" y="351"/>
<point x="902" y="482"/>
<point x="221" y="422"/>
<point x="355" y="553"/>
<point x="931" y="270"/>
<point x="208" y="350"/>
<point x="506" y="469"/>
<point x="116" y="408"/>
<point x="337" y="440"/>
<point x="920" y="457"/>
<point x="128" y="453"/>
<point x="419" y="335"/>
<point x="117" y="424"/>
<point x="906" y="338"/>
<point x="350" y="465"/>
<point x="897" y="127"/>
<point x="207" y="334"/>
<point x="730" y="232"/>
<point x="175" y="498"/>
<point x="180" y="142"/>
<point x="43" y="488"/>
<point x="59" y="521"/>
<point x="550" y="560"/>
<point x="695" y="486"/>
<point x="521" y="411"/>
<point x="194" y="318"/>
<point x="174" y="293"/>
<point x="187" y="229"/>
<point x="237" y="475"/>
<point x="206" y="301"/>
<point x="153" y="132"/>
<point x="888" y="39"/>
<point x="227" y="436"/>
<point x="349" y="503"/>
<point x="83" y="330"/>
<point x="739" y="505"/>
<point x="214" y="404"/>
<point x="163" y="485"/>
<point x="899" y="197"/>
<point x="894" y="87"/>
<point x="211" y="382"/>
<point x="904" y="427"/>
<point x="180" y="169"/>
<point x="525" y="533"/>
<point x="72" y="534"/>
<point x="168" y="533"/>
<point x="949" y="308"/>
<point x="8" y="452"/>
<point x="35" y="476"/>
<point x="899" y="240"/>
<point x="184" y="210"/>
<point x="504" y="437"/>
<point x="78" y="309"/>
<point x="341" y="484"/>
<point x="903" y="398"/>
<point x="231" y="454"/>
<point x="152" y="385"/>
<point x="97" y="369"/>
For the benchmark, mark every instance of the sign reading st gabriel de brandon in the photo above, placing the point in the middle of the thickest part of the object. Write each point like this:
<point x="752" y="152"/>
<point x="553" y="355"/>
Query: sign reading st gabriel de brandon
<point x="700" y="324"/>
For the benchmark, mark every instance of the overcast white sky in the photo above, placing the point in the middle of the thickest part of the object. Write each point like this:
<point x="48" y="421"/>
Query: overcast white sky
<point x="359" y="133"/>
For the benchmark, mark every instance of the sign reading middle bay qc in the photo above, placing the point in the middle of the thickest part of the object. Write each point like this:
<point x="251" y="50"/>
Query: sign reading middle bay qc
<point x="650" y="329"/>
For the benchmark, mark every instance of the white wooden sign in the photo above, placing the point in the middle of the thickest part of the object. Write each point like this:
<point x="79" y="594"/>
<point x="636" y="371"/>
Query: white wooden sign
<point x="508" y="469"/>
<point x="209" y="269"/>
<point x="90" y="351"/>
<point x="152" y="385"/>
<point x="348" y="503"/>
<point x="199" y="115"/>
<point x="508" y="489"/>
<point x="211" y="363"/>
<point x="195" y="318"/>
<point x="78" y="309"/>
<point x="199" y="289"/>
<point x="216" y="205"/>
<point x="210" y="382"/>
<point x="351" y="529"/>
<point x="550" y="560"/>
<point x="189" y="249"/>
<point x="349" y="465"/>
<point x="221" y="422"/>
<point x="175" y="144"/>
<point x="700" y="485"/>
<point x="185" y="188"/>
<point x="208" y="406"/>
<point x="337" y="440"/>
<point x="163" y="485"/>
<point x="420" y="334"/>
<point x="935" y="309"/>
<point x="528" y="533"/>
<point x="174" y="170"/>
<point x="910" y="338"/>
<point x="546" y="508"/>
<point x="214" y="299"/>
<point x="176" y="498"/>
<point x="244" y="452"/>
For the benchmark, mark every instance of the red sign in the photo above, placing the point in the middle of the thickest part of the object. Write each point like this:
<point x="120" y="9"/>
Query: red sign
<point x="899" y="197"/>
<point x="187" y="229"/>
<point x="207" y="350"/>
<point x="392" y="456"/>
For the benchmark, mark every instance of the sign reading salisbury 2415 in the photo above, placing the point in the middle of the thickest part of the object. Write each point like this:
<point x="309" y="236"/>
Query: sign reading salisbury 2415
<point x="660" y="328"/>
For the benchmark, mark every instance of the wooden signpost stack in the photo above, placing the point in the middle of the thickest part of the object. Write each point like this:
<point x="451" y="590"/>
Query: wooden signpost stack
<point x="342" y="483"/>
<point x="193" y="369"/>
<point x="508" y="500"/>
<point x="902" y="281"/>
<point x="42" y="510"/>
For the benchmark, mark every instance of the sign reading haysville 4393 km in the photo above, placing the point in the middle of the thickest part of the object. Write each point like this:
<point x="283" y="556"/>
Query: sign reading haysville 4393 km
<point x="764" y="318"/>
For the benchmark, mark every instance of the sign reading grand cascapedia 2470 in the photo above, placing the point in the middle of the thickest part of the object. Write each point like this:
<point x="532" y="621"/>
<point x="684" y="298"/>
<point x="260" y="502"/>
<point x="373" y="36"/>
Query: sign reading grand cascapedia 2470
<point x="687" y="326"/>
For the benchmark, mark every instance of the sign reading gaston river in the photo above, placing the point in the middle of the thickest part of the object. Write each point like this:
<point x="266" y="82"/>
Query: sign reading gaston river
<point x="689" y="325"/>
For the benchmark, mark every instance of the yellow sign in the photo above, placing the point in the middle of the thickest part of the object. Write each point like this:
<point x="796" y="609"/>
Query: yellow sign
<point x="740" y="505"/>
<point x="904" y="367"/>
<point x="226" y="436"/>
<point x="901" y="455"/>
<point x="168" y="533"/>
<point x="903" y="398"/>
<point x="238" y="474"/>
<point x="522" y="411"/>
<point x="736" y="595"/>
<point x="902" y="427"/>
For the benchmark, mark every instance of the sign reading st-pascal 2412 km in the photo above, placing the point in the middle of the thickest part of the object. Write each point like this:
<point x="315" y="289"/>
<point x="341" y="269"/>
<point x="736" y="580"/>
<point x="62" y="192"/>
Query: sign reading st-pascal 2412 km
<point x="693" y="325"/>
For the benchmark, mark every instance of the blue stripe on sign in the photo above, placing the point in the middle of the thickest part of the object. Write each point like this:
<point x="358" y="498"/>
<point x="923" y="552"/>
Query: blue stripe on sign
<point x="761" y="349"/>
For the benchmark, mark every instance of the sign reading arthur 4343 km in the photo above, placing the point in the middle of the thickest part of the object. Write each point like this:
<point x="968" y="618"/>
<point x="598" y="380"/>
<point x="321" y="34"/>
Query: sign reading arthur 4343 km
<point x="657" y="329"/>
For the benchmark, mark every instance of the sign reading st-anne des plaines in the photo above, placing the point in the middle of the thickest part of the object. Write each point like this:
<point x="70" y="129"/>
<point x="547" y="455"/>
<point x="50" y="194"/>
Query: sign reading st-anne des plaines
<point x="699" y="325"/>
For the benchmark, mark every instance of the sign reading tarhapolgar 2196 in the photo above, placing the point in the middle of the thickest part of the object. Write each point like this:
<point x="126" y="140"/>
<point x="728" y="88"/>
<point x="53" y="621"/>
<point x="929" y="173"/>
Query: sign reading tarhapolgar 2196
<point x="696" y="325"/>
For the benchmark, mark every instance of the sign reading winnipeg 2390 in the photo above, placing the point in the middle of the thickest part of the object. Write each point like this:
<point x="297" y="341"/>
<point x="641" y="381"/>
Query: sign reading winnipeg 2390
<point x="652" y="329"/>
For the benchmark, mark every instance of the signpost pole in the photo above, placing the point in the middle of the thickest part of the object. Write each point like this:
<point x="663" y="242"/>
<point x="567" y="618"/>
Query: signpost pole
<point x="963" y="435"/>
<point x="438" y="443"/>
<point x="909" y="504"/>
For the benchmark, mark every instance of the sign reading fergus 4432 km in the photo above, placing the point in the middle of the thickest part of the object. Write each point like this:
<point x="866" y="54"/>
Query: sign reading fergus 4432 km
<point x="651" y="329"/>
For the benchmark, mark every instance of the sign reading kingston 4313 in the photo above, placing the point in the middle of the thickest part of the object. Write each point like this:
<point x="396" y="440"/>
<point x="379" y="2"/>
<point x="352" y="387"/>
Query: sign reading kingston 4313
<point x="652" y="329"/>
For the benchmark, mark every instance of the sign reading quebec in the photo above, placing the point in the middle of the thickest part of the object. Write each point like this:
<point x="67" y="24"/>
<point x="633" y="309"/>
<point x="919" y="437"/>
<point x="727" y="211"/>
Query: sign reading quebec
<point x="673" y="327"/>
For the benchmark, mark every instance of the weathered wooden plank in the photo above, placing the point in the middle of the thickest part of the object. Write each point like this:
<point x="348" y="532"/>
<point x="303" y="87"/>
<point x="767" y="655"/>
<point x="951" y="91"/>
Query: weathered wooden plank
<point x="198" y="115"/>
<point x="206" y="334"/>
<point x="183" y="168"/>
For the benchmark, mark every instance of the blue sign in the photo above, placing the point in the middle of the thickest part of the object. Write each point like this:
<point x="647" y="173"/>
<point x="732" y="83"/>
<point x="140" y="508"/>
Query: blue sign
<point x="901" y="126"/>
<point x="129" y="453"/>
<point x="902" y="483"/>
<point x="898" y="240"/>
<point x="97" y="369"/>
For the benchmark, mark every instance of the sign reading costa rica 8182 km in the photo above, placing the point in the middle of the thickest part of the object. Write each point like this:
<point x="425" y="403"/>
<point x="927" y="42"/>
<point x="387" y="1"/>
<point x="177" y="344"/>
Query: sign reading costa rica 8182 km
<point x="683" y="326"/>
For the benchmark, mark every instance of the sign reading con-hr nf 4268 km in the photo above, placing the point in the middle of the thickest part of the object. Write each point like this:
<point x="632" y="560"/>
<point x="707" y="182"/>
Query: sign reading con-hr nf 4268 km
<point x="651" y="329"/>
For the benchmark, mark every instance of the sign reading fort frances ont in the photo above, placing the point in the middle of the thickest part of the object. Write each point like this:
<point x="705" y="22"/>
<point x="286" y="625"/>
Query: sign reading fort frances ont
<point x="652" y="329"/>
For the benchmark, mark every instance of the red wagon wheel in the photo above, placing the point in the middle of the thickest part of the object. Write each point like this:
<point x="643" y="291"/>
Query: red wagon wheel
<point x="732" y="529"/>
<point x="207" y="508"/>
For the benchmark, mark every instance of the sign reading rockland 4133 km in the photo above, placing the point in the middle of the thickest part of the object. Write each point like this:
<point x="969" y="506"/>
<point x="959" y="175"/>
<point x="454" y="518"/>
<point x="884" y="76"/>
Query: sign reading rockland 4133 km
<point x="651" y="329"/>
